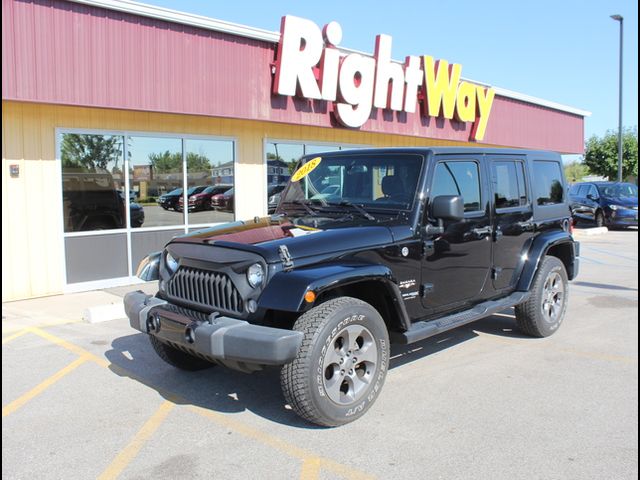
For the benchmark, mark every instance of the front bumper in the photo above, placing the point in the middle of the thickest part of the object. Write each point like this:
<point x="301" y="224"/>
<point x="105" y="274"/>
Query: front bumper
<point x="623" y="217"/>
<point x="222" y="339"/>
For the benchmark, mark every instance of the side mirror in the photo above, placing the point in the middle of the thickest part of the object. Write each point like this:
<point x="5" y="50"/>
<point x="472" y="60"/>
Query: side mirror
<point x="447" y="207"/>
<point x="592" y="197"/>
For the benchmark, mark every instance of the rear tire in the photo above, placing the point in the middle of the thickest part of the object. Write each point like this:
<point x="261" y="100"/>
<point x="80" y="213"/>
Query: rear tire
<point x="341" y="365"/>
<point x="543" y="313"/>
<point x="178" y="358"/>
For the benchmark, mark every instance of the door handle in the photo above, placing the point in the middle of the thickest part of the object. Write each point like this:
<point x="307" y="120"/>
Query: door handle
<point x="481" y="232"/>
<point x="526" y="226"/>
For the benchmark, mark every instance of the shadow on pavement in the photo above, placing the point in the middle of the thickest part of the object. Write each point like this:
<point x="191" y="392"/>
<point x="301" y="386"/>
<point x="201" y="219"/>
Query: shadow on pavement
<point x="223" y="390"/>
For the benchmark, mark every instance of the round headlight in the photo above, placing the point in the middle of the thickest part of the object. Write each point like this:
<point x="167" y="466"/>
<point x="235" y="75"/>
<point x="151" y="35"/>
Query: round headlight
<point x="255" y="275"/>
<point x="171" y="263"/>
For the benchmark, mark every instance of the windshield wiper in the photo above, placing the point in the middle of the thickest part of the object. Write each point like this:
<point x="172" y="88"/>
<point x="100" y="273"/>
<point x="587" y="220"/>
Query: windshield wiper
<point x="358" y="208"/>
<point x="304" y="204"/>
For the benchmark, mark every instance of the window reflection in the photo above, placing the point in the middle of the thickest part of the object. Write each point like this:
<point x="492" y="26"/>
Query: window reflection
<point x="210" y="177"/>
<point x="92" y="182"/>
<point x="155" y="179"/>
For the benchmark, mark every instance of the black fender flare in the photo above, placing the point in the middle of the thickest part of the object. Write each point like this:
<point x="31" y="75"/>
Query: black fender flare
<point x="285" y="290"/>
<point x="539" y="248"/>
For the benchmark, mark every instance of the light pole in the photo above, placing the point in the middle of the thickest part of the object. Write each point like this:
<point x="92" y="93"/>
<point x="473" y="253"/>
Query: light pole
<point x="619" y="18"/>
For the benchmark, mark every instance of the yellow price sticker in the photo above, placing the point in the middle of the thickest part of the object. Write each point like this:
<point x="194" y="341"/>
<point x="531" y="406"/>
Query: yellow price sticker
<point x="306" y="169"/>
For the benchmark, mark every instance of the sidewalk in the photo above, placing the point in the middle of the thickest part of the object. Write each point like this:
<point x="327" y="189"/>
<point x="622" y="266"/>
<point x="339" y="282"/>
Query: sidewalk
<point x="67" y="308"/>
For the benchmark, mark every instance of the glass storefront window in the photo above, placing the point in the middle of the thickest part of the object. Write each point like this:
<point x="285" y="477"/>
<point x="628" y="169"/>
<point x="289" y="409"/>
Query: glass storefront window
<point x="92" y="182"/>
<point x="155" y="181"/>
<point x="104" y="173"/>
<point x="210" y="180"/>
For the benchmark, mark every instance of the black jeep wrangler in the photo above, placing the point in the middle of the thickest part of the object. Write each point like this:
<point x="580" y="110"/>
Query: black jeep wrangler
<point x="366" y="248"/>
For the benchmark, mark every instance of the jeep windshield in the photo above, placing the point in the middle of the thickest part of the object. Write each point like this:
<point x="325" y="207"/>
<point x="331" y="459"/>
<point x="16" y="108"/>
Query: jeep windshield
<point x="355" y="183"/>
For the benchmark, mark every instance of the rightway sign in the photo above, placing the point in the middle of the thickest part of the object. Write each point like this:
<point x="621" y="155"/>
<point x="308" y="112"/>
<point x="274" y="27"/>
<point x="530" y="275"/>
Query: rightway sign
<point x="310" y="65"/>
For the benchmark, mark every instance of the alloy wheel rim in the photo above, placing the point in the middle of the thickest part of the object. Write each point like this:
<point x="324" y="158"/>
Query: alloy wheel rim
<point x="350" y="364"/>
<point x="553" y="297"/>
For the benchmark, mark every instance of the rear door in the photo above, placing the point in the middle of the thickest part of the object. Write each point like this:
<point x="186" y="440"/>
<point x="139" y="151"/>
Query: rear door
<point x="513" y="218"/>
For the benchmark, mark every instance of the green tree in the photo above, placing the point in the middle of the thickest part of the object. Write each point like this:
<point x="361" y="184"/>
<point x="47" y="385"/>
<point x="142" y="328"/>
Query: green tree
<point x="601" y="156"/>
<point x="575" y="171"/>
<point x="167" y="162"/>
<point x="198" y="163"/>
<point x="90" y="153"/>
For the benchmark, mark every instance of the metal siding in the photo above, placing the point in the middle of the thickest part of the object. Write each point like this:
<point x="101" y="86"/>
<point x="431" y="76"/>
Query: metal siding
<point x="73" y="54"/>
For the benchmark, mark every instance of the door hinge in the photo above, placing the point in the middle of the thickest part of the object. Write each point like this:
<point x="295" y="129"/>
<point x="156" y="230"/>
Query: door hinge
<point x="428" y="248"/>
<point x="425" y="289"/>
<point x="285" y="256"/>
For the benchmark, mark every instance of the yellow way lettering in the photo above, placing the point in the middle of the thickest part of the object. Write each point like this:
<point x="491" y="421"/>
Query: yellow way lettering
<point x="440" y="87"/>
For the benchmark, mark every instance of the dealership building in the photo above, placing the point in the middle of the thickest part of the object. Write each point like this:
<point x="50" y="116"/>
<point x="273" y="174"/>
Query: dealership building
<point x="117" y="115"/>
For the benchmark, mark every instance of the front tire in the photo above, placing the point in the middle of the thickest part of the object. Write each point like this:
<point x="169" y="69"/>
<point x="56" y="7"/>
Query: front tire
<point x="341" y="365"/>
<point x="543" y="313"/>
<point x="600" y="220"/>
<point x="178" y="358"/>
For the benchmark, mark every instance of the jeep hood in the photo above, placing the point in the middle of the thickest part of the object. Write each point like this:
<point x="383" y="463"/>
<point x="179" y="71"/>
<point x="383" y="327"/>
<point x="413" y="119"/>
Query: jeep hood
<point x="264" y="236"/>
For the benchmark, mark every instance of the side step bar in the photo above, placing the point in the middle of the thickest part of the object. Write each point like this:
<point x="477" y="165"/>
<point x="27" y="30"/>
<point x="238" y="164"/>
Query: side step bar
<point x="425" y="329"/>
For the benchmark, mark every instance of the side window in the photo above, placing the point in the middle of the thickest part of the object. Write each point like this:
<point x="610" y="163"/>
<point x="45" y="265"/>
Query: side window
<point x="574" y="189"/>
<point x="458" y="178"/>
<point x="548" y="185"/>
<point x="584" y="189"/>
<point x="509" y="184"/>
<point x="593" y="191"/>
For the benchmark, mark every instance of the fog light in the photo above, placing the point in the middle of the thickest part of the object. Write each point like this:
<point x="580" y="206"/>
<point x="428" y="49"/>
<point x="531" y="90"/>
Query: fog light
<point x="252" y="306"/>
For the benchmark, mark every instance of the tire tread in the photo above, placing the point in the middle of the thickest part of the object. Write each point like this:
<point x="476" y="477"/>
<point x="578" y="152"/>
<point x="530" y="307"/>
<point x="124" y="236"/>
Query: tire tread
<point x="293" y="377"/>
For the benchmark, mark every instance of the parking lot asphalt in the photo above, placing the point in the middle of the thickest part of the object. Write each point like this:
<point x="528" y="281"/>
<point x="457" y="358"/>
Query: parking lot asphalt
<point x="94" y="401"/>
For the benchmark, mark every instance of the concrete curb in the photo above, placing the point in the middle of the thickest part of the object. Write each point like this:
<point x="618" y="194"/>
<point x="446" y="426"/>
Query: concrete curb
<point x="590" y="231"/>
<point x="103" y="313"/>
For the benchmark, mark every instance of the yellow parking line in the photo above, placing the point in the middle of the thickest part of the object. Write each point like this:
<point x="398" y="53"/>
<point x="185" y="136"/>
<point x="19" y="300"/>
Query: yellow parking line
<point x="37" y="390"/>
<point x="69" y="346"/>
<point x="126" y="456"/>
<point x="239" y="427"/>
<point x="310" y="469"/>
<point x="6" y="330"/>
<point x="279" y="444"/>
<point x="14" y="336"/>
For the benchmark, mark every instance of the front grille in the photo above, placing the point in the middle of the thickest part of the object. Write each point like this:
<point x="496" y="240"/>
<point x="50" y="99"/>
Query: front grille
<point x="211" y="290"/>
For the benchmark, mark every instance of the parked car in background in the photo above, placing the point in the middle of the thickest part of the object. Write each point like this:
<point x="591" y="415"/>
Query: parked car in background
<point x="91" y="202"/>
<point x="169" y="201"/>
<point x="273" y="195"/>
<point x="223" y="201"/>
<point x="191" y="192"/>
<point x="202" y="200"/>
<point x="610" y="204"/>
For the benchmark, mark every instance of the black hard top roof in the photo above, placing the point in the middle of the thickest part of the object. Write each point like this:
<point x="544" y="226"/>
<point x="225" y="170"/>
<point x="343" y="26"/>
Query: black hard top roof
<point x="444" y="151"/>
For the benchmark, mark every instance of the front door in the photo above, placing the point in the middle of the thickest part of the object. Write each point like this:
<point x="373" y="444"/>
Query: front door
<point x="457" y="262"/>
<point x="513" y="219"/>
